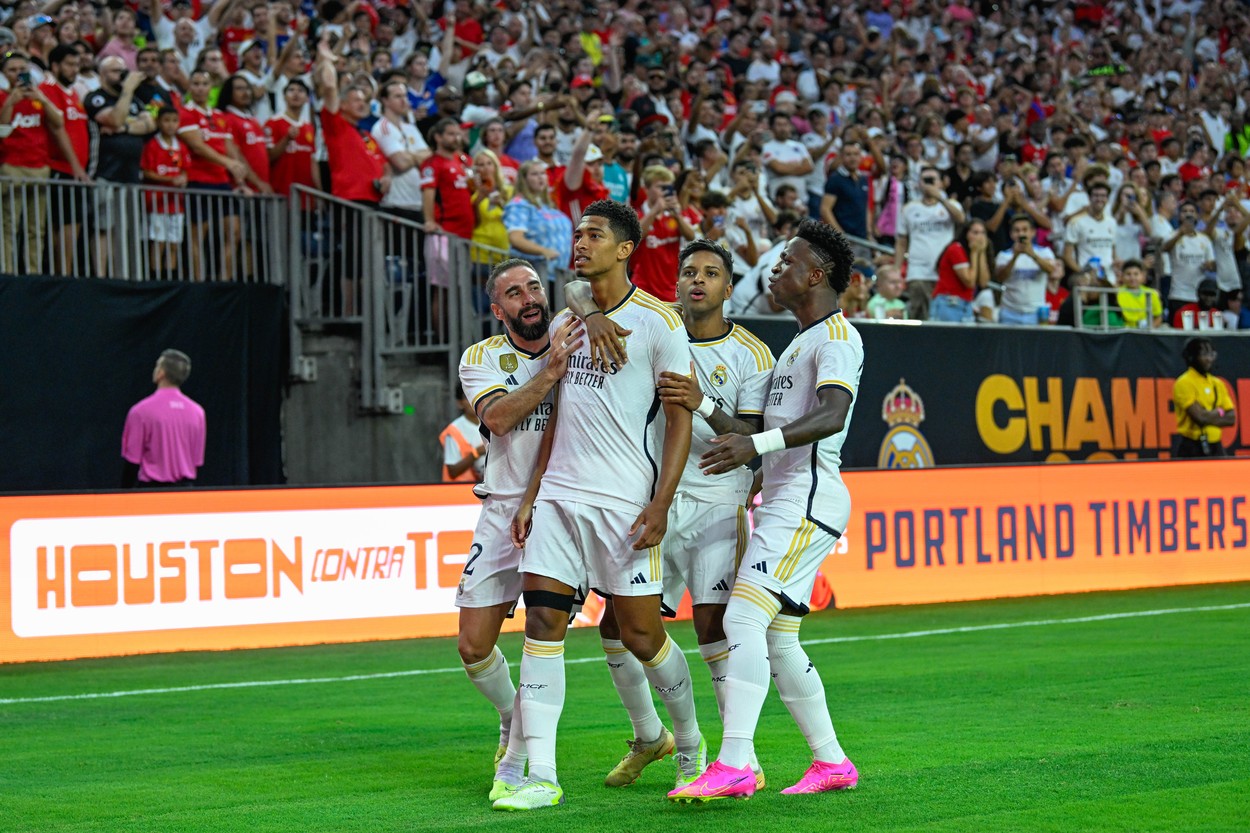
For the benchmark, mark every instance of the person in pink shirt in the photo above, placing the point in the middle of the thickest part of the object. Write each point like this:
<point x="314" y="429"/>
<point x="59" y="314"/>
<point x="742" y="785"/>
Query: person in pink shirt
<point x="163" y="441"/>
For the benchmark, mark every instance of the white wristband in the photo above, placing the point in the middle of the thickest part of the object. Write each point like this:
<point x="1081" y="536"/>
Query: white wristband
<point x="768" y="441"/>
<point x="705" y="407"/>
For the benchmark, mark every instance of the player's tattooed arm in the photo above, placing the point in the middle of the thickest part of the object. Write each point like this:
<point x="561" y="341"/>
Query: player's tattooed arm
<point x="503" y="412"/>
<point x="826" y="419"/>
<point x="522" y="523"/>
<point x="607" y="338"/>
<point x="685" y="391"/>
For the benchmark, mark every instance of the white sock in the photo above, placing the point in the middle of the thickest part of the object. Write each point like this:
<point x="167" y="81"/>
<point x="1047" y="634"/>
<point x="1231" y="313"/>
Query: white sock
<point x="542" y="699"/>
<point x="747" y="616"/>
<point x="716" y="656"/>
<point x="491" y="677"/>
<point x="801" y="689"/>
<point x="669" y="674"/>
<point x="630" y="680"/>
<point x="512" y="764"/>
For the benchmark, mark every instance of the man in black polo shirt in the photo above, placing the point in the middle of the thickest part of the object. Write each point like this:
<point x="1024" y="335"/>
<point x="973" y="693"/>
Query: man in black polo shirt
<point x="119" y="127"/>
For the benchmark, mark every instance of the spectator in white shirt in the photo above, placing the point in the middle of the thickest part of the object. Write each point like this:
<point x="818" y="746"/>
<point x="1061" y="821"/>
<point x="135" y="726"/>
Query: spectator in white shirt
<point x="1023" y="270"/>
<point x="786" y="159"/>
<point x="1091" y="234"/>
<point x="1192" y="255"/>
<point x="925" y="227"/>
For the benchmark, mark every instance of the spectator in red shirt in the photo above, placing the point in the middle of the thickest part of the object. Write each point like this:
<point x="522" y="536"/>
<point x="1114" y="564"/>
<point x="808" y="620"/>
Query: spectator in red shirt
<point x="358" y="168"/>
<point x="27" y="121"/>
<point x="67" y="159"/>
<point x="215" y="167"/>
<point x="236" y="101"/>
<point x="165" y="161"/>
<point x="291" y="143"/>
<point x="447" y="202"/>
<point x="582" y="182"/>
<point x="664" y="230"/>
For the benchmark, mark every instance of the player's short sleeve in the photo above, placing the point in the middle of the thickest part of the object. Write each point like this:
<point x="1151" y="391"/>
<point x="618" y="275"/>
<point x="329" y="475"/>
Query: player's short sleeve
<point x="134" y="438"/>
<point x="838" y="365"/>
<point x="670" y="349"/>
<point x="903" y="226"/>
<point x="1072" y="234"/>
<point x="481" y="378"/>
<point x="389" y="140"/>
<point x="756" y="378"/>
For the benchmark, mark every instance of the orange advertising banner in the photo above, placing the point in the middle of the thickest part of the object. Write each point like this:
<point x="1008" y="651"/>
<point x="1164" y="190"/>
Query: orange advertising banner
<point x="106" y="575"/>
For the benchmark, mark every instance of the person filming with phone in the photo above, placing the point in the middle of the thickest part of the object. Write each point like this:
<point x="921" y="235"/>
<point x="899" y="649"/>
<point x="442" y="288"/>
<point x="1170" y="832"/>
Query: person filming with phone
<point x="664" y="230"/>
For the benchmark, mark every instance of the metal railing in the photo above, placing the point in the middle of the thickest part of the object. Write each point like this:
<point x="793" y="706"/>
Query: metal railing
<point x="109" y="230"/>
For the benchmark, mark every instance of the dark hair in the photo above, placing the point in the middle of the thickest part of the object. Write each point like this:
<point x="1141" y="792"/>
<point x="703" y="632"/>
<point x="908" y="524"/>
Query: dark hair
<point x="622" y="220"/>
<point x="1202" y="195"/>
<point x="60" y="53"/>
<point x="167" y="111"/>
<point x="1193" y="347"/>
<point x="501" y="267"/>
<point x="440" y="126"/>
<point x="713" y="199"/>
<point x="543" y="127"/>
<point x="1093" y="186"/>
<point x="1132" y="264"/>
<point x="225" y="98"/>
<point x="705" y="245"/>
<point x="295" y="82"/>
<point x="831" y="252"/>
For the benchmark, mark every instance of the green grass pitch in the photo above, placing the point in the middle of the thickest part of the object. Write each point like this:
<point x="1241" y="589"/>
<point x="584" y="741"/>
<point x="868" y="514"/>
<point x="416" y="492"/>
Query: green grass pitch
<point x="1122" y="723"/>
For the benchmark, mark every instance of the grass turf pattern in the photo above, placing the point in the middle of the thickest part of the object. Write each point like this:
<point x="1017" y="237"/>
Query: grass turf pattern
<point x="1130" y="724"/>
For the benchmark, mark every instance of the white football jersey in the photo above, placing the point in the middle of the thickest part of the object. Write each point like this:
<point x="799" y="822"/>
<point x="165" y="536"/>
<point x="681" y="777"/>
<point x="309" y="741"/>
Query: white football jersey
<point x="733" y="370"/>
<point x="607" y="446"/>
<point x="828" y="353"/>
<point x="490" y="368"/>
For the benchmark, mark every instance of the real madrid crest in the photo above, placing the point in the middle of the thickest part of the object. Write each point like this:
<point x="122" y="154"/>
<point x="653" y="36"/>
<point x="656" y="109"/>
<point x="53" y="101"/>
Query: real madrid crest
<point x="904" y="447"/>
<point x="790" y="359"/>
<point x="508" y="362"/>
<point x="720" y="375"/>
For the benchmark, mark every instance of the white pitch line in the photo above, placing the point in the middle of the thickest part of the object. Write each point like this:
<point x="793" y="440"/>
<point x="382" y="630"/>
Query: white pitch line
<point x="418" y="672"/>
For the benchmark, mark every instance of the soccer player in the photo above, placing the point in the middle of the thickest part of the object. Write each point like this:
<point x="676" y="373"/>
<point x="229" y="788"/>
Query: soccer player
<point x="509" y="380"/>
<point x="806" y="506"/>
<point x="599" y="502"/>
<point x="707" y="526"/>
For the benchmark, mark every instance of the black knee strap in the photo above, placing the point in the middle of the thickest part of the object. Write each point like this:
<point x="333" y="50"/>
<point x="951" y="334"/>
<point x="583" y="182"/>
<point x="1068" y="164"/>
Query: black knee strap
<point x="546" y="598"/>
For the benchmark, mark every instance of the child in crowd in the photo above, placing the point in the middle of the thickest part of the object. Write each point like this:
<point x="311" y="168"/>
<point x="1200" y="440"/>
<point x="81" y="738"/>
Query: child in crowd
<point x="1140" y="305"/>
<point x="887" y="303"/>
<point x="164" y="162"/>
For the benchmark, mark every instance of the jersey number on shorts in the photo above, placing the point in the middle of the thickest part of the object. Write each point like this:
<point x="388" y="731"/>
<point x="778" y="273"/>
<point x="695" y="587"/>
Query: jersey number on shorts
<point x="474" y="552"/>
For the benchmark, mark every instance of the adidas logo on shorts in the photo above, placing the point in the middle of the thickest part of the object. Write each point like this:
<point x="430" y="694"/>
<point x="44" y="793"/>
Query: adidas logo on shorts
<point x="722" y="585"/>
<point x="761" y="566"/>
<point x="638" y="579"/>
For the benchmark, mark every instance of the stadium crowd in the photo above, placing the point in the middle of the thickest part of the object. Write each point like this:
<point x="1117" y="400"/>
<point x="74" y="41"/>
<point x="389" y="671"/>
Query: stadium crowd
<point x="998" y="155"/>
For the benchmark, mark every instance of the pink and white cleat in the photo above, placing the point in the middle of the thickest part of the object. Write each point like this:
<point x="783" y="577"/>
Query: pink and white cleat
<point x="823" y="776"/>
<point x="717" y="781"/>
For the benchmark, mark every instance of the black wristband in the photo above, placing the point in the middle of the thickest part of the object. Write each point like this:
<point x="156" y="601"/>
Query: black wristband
<point x="595" y="312"/>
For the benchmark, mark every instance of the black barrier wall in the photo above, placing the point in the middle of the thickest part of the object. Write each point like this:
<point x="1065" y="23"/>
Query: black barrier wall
<point x="79" y="353"/>
<point x="935" y="395"/>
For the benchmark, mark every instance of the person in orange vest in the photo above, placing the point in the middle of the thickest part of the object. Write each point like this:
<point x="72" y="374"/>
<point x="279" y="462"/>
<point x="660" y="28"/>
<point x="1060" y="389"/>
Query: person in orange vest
<point x="464" y="451"/>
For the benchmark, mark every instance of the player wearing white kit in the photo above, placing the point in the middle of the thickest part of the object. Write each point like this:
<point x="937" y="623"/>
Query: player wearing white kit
<point x="805" y="508"/>
<point x="707" y="530"/>
<point x="509" y="380"/>
<point x="598" y="504"/>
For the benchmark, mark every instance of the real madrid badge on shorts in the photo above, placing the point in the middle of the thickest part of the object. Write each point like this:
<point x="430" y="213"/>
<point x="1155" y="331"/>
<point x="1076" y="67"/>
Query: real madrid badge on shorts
<point x="508" y="362"/>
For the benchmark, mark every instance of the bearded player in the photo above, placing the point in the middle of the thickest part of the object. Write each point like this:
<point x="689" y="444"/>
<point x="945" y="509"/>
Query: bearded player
<point x="509" y="380"/>
<point x="805" y="508"/>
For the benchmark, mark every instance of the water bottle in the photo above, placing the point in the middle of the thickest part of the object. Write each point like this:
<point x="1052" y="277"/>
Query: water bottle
<point x="1095" y="266"/>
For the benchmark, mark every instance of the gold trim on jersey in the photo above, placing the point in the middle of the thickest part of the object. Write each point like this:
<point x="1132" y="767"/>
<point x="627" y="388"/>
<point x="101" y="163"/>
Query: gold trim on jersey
<point x="647" y="301"/>
<point x="837" y="327"/>
<point x="763" y="356"/>
<point x="836" y="383"/>
<point x="790" y="561"/>
<point x="656" y="561"/>
<point x="488" y="391"/>
<point x="477" y="353"/>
